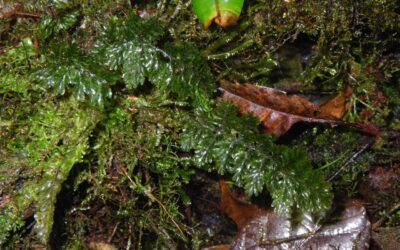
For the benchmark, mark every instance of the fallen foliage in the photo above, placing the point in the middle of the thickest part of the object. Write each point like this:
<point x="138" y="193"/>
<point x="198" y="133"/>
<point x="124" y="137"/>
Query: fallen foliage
<point x="278" y="111"/>
<point x="349" y="229"/>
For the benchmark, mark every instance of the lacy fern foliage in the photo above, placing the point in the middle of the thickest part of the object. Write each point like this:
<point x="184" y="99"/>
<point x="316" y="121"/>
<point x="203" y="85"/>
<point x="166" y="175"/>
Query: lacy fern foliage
<point x="70" y="71"/>
<point x="230" y="144"/>
<point x="131" y="47"/>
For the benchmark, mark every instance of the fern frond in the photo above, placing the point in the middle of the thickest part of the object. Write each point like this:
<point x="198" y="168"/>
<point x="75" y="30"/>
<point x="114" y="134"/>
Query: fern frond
<point x="131" y="47"/>
<point x="50" y="26"/>
<point x="231" y="144"/>
<point x="69" y="71"/>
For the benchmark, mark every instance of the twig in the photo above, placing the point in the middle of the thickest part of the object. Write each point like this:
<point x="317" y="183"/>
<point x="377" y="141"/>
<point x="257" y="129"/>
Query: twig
<point x="390" y="212"/>
<point x="25" y="14"/>
<point x="265" y="243"/>
<point x="352" y="158"/>
<point x="113" y="233"/>
<point x="153" y="197"/>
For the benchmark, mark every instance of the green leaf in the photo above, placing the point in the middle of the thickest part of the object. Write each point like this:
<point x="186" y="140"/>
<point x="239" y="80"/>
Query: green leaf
<point x="68" y="71"/>
<point x="229" y="144"/>
<point x="176" y="69"/>
<point x="50" y="26"/>
<point x="224" y="11"/>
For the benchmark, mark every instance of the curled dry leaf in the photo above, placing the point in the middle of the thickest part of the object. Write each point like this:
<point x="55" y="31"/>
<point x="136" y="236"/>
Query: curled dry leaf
<point x="278" y="111"/>
<point x="270" y="231"/>
<point x="267" y="230"/>
<point x="240" y="212"/>
<point x="338" y="105"/>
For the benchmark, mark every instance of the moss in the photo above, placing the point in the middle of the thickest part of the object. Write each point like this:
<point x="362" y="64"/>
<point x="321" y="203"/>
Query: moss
<point x="149" y="131"/>
<point x="127" y="151"/>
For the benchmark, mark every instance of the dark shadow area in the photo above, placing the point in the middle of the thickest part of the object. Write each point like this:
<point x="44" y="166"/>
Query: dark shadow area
<point x="66" y="199"/>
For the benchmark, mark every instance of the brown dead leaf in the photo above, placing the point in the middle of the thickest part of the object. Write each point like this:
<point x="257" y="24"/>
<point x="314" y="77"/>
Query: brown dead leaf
<point x="240" y="212"/>
<point x="218" y="247"/>
<point x="338" y="105"/>
<point x="100" y="246"/>
<point x="267" y="230"/>
<point x="276" y="110"/>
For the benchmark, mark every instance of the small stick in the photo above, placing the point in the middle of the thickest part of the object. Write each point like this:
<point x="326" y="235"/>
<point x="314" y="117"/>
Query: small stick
<point x="113" y="233"/>
<point x="352" y="158"/>
<point x="153" y="197"/>
<point x="25" y="14"/>
<point x="390" y="212"/>
<point x="265" y="243"/>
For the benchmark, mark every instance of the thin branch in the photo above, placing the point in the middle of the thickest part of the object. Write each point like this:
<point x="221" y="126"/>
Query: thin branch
<point x="25" y="14"/>
<point x="390" y="212"/>
<point x="266" y="243"/>
<point x="153" y="197"/>
<point x="352" y="158"/>
<point x="113" y="233"/>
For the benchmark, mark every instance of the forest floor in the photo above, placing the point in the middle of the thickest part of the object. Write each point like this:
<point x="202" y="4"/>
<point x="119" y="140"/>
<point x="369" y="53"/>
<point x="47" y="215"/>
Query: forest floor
<point x="130" y="125"/>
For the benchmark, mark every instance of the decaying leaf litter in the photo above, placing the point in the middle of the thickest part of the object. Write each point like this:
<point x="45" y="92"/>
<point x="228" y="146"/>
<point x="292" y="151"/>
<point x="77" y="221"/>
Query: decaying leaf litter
<point x="112" y="135"/>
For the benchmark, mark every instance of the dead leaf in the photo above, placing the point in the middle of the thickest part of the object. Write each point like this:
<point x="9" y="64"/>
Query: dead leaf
<point x="100" y="246"/>
<point x="276" y="110"/>
<point x="218" y="247"/>
<point x="240" y="212"/>
<point x="267" y="230"/>
<point x="367" y="128"/>
<point x="338" y="105"/>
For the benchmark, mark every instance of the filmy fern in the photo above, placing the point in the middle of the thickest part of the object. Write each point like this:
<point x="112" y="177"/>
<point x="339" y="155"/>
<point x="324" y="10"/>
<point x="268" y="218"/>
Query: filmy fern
<point x="230" y="144"/>
<point x="52" y="26"/>
<point x="131" y="46"/>
<point x="69" y="71"/>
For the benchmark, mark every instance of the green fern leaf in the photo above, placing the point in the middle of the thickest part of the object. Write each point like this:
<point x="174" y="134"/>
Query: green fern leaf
<point x="230" y="144"/>
<point x="131" y="47"/>
<point x="69" y="71"/>
<point x="50" y="26"/>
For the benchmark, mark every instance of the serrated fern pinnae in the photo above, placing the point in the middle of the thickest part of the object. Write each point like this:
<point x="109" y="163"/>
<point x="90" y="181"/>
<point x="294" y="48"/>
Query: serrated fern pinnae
<point x="50" y="26"/>
<point x="230" y="144"/>
<point x="68" y="71"/>
<point x="178" y="69"/>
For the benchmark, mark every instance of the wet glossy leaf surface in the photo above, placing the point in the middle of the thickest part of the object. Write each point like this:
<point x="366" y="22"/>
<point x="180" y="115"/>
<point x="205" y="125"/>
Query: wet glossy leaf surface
<point x="270" y="231"/>
<point x="348" y="227"/>
<point x="276" y="110"/>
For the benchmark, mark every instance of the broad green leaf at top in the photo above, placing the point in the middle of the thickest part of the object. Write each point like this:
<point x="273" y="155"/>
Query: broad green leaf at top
<point x="223" y="12"/>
